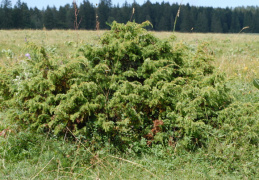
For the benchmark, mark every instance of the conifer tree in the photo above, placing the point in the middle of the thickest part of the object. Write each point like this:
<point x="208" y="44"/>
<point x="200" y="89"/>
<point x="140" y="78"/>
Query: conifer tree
<point x="6" y="14"/>
<point x="88" y="15"/>
<point x="216" y="25"/>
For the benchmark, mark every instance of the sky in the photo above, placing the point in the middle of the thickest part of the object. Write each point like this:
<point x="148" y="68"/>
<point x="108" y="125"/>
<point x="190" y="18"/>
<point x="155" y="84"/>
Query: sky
<point x="208" y="3"/>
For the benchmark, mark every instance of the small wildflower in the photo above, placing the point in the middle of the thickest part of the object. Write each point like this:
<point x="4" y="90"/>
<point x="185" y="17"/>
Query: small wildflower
<point x="28" y="55"/>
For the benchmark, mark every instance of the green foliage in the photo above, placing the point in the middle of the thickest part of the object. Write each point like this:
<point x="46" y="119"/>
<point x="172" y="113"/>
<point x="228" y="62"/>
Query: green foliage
<point x="256" y="83"/>
<point x="114" y="92"/>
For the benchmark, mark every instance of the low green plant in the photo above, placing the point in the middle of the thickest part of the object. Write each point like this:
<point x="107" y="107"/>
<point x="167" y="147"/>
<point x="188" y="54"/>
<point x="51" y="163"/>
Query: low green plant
<point x="8" y="53"/>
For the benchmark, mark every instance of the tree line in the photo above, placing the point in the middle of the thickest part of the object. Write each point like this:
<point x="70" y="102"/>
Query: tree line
<point x="163" y="16"/>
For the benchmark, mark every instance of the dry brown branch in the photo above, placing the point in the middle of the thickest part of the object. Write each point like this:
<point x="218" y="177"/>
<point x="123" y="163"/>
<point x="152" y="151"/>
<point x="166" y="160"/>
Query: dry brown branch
<point x="76" y="23"/>
<point x="97" y="27"/>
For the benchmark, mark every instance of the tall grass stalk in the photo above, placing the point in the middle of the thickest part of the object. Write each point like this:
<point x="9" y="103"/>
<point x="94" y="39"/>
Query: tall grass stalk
<point x="177" y="16"/>
<point x="247" y="27"/>
<point x="133" y="12"/>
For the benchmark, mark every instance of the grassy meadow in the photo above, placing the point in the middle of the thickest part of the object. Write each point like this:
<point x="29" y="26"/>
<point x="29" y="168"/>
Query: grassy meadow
<point x="235" y="54"/>
<point x="26" y="155"/>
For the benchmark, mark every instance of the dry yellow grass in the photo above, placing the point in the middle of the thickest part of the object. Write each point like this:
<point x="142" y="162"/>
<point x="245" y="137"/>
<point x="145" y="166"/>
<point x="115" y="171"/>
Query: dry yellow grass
<point x="235" y="54"/>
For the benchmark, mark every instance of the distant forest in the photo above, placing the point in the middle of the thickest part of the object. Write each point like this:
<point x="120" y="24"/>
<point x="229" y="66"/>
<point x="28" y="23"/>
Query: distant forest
<point x="161" y="15"/>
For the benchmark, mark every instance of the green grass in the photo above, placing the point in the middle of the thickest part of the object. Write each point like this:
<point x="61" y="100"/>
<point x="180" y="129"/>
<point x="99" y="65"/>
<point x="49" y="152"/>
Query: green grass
<point x="27" y="155"/>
